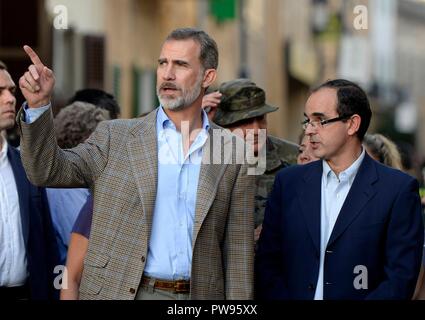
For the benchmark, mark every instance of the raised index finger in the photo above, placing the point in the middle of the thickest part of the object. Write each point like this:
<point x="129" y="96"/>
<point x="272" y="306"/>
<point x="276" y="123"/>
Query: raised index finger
<point x="33" y="56"/>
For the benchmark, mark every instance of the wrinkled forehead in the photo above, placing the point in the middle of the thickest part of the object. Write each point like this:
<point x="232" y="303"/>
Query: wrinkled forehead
<point x="180" y="49"/>
<point x="322" y="103"/>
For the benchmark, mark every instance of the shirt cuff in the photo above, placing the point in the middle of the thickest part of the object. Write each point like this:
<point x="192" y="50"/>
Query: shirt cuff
<point x="32" y="114"/>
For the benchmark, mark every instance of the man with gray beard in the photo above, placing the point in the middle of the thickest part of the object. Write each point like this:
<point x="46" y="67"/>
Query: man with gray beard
<point x="167" y="224"/>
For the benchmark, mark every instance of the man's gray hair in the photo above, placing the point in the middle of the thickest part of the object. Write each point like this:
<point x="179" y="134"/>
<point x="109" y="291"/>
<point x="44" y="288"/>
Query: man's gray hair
<point x="209" y="50"/>
<point x="76" y="122"/>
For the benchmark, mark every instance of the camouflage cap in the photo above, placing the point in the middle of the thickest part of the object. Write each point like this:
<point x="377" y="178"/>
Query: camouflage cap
<point x="242" y="99"/>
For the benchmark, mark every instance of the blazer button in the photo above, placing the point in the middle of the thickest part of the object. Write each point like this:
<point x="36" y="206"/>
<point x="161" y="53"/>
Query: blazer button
<point x="132" y="290"/>
<point x="328" y="283"/>
<point x="143" y="259"/>
<point x="310" y="287"/>
<point x="329" y="251"/>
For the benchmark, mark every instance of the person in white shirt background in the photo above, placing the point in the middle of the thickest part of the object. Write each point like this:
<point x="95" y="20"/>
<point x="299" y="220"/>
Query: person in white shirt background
<point x="28" y="251"/>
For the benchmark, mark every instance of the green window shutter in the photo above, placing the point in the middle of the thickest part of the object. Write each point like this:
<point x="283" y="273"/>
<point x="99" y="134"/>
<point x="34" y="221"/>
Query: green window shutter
<point x="144" y="91"/>
<point x="333" y="29"/>
<point x="223" y="10"/>
<point x="136" y="91"/>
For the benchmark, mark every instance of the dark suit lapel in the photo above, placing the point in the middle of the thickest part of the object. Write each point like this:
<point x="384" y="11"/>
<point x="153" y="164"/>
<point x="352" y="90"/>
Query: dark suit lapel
<point x="143" y="154"/>
<point x="22" y="186"/>
<point x="360" y="193"/>
<point x="309" y="196"/>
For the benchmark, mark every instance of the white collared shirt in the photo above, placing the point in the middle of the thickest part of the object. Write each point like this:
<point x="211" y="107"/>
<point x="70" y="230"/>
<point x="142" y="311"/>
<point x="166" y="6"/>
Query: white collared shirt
<point x="334" y="192"/>
<point x="13" y="261"/>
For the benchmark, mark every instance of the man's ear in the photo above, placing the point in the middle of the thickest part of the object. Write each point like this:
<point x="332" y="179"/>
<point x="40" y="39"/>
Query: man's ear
<point x="209" y="77"/>
<point x="354" y="124"/>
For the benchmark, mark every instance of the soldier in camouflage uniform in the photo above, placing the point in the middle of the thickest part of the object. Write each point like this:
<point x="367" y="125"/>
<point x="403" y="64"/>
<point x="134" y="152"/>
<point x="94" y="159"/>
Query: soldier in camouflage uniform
<point x="243" y="105"/>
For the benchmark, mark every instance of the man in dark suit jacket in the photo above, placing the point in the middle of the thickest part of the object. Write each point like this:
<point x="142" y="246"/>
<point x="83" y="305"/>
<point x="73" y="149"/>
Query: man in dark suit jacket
<point x="346" y="226"/>
<point x="28" y="251"/>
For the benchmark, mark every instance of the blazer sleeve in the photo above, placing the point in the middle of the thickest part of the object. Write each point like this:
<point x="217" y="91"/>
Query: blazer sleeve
<point x="404" y="244"/>
<point x="270" y="284"/>
<point x="238" y="249"/>
<point x="48" y="165"/>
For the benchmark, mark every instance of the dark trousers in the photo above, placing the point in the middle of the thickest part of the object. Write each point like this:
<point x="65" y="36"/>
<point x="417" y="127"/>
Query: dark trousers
<point x="14" y="293"/>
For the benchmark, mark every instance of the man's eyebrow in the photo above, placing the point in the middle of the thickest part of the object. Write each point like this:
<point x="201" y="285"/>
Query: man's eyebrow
<point x="181" y="62"/>
<point x="177" y="61"/>
<point x="316" y="115"/>
<point x="7" y="87"/>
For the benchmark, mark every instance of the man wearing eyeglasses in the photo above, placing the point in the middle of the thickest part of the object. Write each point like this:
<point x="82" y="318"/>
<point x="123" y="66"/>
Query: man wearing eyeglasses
<point x="343" y="227"/>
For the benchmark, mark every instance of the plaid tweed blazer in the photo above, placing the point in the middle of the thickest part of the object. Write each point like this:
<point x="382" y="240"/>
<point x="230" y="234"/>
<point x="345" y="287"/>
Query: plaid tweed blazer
<point x="119" y="162"/>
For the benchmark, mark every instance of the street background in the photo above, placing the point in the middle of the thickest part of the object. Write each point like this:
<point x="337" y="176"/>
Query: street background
<point x="285" y="46"/>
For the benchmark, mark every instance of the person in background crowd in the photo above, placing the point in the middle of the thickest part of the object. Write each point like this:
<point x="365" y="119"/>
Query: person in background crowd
<point x="100" y="99"/>
<point x="383" y="150"/>
<point x="78" y="246"/>
<point x="210" y="103"/>
<point x="242" y="108"/>
<point x="28" y="251"/>
<point x="73" y="125"/>
<point x="305" y="151"/>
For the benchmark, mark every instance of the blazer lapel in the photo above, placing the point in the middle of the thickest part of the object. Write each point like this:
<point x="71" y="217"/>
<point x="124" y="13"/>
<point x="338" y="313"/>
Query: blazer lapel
<point x="360" y="193"/>
<point x="22" y="186"/>
<point x="209" y="177"/>
<point x="309" y="196"/>
<point x="143" y="154"/>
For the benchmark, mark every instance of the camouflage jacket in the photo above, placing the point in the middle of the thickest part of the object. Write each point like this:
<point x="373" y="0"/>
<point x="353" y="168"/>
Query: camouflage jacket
<point x="280" y="154"/>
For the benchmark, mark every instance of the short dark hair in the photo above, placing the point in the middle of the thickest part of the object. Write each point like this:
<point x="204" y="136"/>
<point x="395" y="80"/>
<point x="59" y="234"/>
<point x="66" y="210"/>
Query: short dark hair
<point x="99" y="98"/>
<point x="209" y="50"/>
<point x="351" y="100"/>
<point x="3" y="66"/>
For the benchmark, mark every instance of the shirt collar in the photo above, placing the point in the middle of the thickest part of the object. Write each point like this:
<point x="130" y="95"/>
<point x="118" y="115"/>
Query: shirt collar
<point x="348" y="174"/>
<point x="3" y="151"/>
<point x="164" y="121"/>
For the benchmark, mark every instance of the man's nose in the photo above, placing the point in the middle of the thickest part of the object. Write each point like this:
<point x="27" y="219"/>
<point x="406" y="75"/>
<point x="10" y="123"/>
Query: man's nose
<point x="169" y="73"/>
<point x="256" y="125"/>
<point x="309" y="130"/>
<point x="305" y="158"/>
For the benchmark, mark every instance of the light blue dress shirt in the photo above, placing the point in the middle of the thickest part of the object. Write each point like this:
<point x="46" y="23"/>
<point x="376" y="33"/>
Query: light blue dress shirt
<point x="334" y="191"/>
<point x="65" y="205"/>
<point x="170" y="245"/>
<point x="32" y="114"/>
